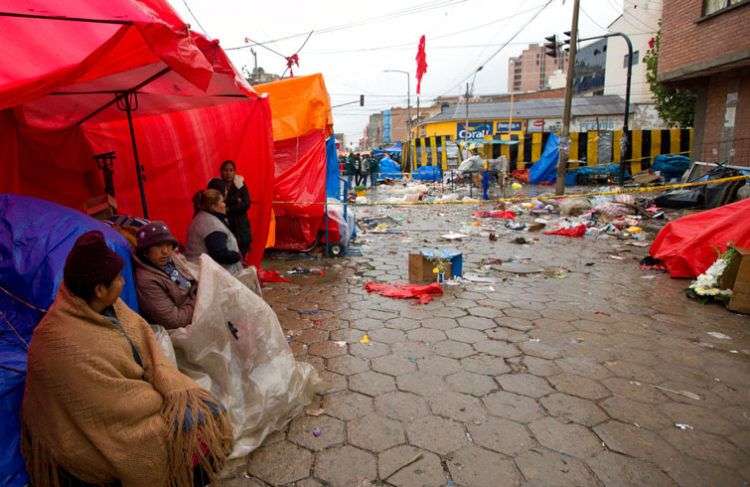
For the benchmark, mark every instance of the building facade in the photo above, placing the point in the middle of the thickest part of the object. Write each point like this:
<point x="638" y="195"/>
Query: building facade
<point x="530" y="71"/>
<point x="640" y="22"/>
<point x="705" y="47"/>
<point x="591" y="64"/>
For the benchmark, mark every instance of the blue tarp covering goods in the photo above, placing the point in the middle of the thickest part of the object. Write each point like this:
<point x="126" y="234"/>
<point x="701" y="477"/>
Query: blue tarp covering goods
<point x="545" y="169"/>
<point x="389" y="169"/>
<point x="35" y="238"/>
<point x="671" y="166"/>
<point x="333" y="188"/>
<point x="428" y="173"/>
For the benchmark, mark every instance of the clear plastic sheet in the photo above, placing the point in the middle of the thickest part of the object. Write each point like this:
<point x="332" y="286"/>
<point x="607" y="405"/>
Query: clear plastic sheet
<point x="248" y="366"/>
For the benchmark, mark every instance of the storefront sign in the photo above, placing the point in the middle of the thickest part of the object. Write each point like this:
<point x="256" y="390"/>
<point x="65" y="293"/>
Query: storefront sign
<point x="476" y="131"/>
<point x="536" y="125"/>
<point x="515" y="126"/>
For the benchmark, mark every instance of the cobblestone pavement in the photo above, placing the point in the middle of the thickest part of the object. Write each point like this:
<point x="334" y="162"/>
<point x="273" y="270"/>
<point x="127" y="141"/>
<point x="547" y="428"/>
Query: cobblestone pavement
<point x="579" y="377"/>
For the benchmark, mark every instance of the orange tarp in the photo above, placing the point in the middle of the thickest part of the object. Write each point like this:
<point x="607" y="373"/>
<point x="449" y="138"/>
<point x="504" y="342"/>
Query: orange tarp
<point x="298" y="106"/>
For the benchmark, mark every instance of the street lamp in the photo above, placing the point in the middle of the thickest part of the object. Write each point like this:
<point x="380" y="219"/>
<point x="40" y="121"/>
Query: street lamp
<point x="408" y="94"/>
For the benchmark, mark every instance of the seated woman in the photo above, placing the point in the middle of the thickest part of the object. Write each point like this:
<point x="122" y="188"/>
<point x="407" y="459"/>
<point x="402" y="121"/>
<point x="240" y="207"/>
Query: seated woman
<point x="166" y="287"/>
<point x="209" y="232"/>
<point x="102" y="405"/>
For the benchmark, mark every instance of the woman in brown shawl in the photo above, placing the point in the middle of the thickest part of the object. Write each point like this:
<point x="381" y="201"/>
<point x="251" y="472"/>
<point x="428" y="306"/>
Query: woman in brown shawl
<point x="102" y="405"/>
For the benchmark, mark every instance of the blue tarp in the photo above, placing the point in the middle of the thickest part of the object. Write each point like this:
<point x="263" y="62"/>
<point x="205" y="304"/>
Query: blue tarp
<point x="332" y="170"/>
<point x="394" y="149"/>
<point x="389" y="169"/>
<point x="671" y="166"/>
<point x="545" y="169"/>
<point x="35" y="238"/>
<point x="428" y="173"/>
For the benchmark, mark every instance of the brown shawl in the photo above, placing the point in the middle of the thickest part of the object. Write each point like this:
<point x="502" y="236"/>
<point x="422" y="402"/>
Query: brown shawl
<point x="92" y="410"/>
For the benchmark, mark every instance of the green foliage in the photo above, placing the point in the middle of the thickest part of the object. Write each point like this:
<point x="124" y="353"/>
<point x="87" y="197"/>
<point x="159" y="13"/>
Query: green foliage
<point x="675" y="106"/>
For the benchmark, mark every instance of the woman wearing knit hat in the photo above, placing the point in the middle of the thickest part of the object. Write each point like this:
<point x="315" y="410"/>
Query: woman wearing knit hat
<point x="102" y="405"/>
<point x="166" y="287"/>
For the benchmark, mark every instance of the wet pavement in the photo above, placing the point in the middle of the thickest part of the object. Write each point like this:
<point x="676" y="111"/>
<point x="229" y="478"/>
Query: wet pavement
<point x="592" y="372"/>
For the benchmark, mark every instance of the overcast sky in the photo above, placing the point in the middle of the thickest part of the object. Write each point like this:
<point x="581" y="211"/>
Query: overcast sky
<point x="355" y="40"/>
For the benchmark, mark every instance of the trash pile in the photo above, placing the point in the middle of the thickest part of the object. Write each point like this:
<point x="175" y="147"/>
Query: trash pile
<point x="620" y="216"/>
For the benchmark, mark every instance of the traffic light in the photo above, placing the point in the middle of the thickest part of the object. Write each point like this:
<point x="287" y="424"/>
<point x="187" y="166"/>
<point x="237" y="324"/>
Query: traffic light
<point x="550" y="47"/>
<point x="566" y="41"/>
<point x="361" y="100"/>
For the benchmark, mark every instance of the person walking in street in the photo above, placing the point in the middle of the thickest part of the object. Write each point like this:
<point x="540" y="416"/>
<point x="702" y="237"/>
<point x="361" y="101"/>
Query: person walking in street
<point x="374" y="164"/>
<point x="237" y="199"/>
<point x="364" y="169"/>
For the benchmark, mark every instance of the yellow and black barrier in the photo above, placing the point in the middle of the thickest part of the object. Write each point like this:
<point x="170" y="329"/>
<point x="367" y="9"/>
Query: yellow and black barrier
<point x="645" y="145"/>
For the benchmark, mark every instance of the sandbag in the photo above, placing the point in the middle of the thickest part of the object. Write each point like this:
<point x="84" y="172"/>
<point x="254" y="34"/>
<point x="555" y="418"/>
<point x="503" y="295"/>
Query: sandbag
<point x="235" y="348"/>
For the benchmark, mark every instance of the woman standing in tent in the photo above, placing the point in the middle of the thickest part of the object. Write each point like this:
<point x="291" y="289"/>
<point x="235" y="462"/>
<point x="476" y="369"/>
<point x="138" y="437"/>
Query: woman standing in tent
<point x="237" y="198"/>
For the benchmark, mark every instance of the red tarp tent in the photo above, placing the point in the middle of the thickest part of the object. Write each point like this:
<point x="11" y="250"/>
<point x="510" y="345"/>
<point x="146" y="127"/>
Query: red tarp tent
<point x="689" y="245"/>
<point x="302" y="121"/>
<point x="72" y="74"/>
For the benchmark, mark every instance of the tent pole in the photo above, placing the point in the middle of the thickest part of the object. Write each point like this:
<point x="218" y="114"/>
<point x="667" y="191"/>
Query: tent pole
<point x="138" y="168"/>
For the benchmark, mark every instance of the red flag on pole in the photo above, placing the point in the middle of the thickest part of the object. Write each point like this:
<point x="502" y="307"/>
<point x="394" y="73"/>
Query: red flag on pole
<point x="421" y="63"/>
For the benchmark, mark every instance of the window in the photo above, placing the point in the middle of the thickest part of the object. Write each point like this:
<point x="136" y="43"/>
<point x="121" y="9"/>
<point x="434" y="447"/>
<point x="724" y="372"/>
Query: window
<point x="635" y="59"/>
<point x="713" y="6"/>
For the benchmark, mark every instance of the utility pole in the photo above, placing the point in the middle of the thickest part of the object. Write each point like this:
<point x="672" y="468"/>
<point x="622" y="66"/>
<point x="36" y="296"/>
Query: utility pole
<point x="562" y="163"/>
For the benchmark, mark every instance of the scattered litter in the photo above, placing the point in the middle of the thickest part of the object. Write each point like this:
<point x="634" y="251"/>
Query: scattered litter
<point x="635" y="383"/>
<point x="482" y="279"/>
<point x="519" y="268"/>
<point x="424" y="293"/>
<point x="340" y="343"/>
<point x="688" y="394"/>
<point x="501" y="214"/>
<point x="468" y="437"/>
<point x="317" y="432"/>
<point x="453" y="236"/>
<point x="514" y="225"/>
<point x="302" y="271"/>
<point x="718" y="335"/>
<point x="684" y="426"/>
<point x="535" y="340"/>
<point x="616" y="257"/>
<point x="492" y="237"/>
<point x="450" y="483"/>
<point x="270" y="275"/>
<point x="577" y="231"/>
<point x="734" y="351"/>
<point x="365" y="340"/>
<point x="315" y="412"/>
<point x="521" y="241"/>
<point x="650" y="276"/>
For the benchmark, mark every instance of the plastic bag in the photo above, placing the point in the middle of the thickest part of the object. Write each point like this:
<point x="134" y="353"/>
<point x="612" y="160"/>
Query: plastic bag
<point x="575" y="232"/>
<point x="405" y="291"/>
<point x="236" y="349"/>
<point x="164" y="342"/>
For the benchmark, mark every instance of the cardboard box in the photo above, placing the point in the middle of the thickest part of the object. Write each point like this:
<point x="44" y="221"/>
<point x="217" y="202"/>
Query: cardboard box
<point x="740" y="301"/>
<point x="423" y="262"/>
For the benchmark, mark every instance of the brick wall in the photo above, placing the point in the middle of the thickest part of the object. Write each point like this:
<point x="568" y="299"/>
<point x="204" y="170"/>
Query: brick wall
<point x="685" y="41"/>
<point x="710" y="124"/>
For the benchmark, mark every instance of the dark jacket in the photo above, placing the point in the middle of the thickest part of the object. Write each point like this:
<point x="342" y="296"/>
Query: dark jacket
<point x="162" y="301"/>
<point x="238" y="204"/>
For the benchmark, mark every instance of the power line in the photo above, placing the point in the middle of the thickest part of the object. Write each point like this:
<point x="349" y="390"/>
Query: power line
<point x="592" y="19"/>
<point x="411" y="46"/>
<point x="198" y="22"/>
<point x="481" y="66"/>
<point x="424" y="7"/>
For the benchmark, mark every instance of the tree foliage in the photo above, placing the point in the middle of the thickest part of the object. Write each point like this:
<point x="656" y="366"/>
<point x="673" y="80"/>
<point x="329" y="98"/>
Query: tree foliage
<point x="675" y="106"/>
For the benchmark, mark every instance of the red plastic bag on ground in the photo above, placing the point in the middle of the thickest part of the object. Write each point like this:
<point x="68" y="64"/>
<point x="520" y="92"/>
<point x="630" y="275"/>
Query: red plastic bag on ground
<point x="689" y="245"/>
<point x="406" y="291"/>
<point x="575" y="232"/>
<point x="503" y="214"/>
<point x="270" y="276"/>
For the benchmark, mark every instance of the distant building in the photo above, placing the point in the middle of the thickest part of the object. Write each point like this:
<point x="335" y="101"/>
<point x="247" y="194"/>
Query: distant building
<point x="640" y="22"/>
<point x="705" y="47"/>
<point x="530" y="71"/>
<point x="531" y="115"/>
<point x="591" y="63"/>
